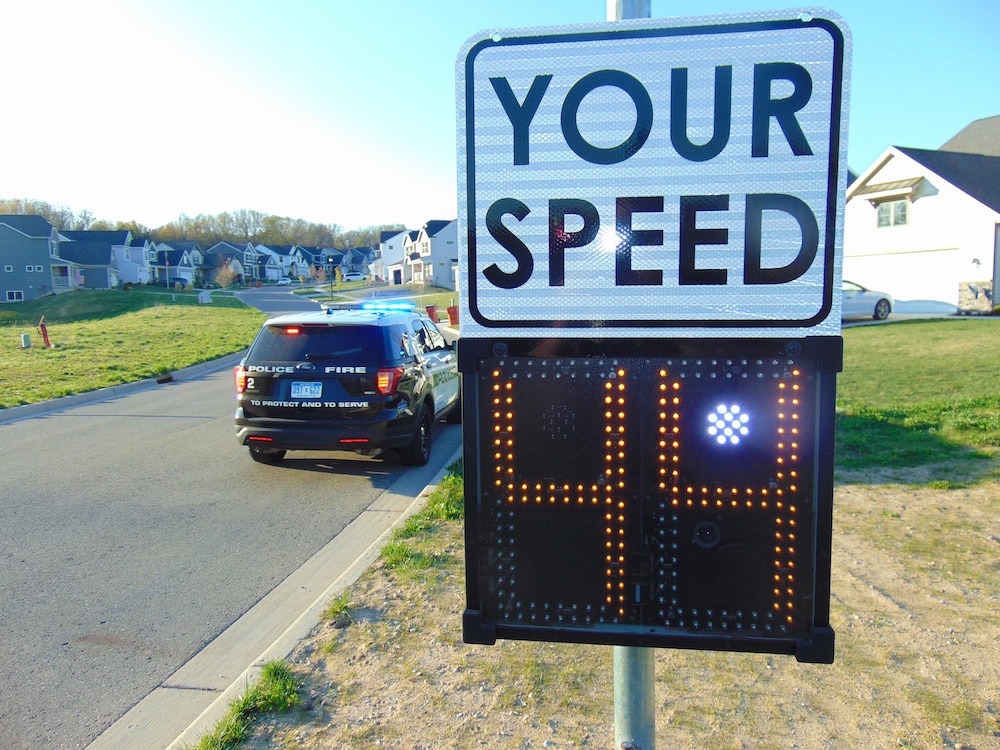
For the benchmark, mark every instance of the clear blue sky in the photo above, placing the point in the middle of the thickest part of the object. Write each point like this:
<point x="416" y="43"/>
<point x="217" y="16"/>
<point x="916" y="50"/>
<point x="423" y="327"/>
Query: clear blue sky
<point x="344" y="112"/>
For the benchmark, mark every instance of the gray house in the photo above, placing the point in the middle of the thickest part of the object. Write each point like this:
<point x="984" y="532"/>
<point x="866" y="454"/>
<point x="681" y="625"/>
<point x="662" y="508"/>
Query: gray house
<point x="131" y="261"/>
<point x="28" y="245"/>
<point x="95" y="263"/>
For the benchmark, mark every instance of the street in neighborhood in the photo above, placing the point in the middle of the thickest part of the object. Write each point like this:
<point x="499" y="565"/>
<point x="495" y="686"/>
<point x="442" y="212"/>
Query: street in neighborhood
<point x="134" y="531"/>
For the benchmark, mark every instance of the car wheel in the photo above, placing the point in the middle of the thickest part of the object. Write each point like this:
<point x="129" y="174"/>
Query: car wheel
<point x="266" y="455"/>
<point x="882" y="309"/>
<point x="418" y="452"/>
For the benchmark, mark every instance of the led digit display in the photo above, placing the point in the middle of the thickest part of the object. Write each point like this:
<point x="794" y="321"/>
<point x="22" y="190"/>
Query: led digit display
<point x="670" y="500"/>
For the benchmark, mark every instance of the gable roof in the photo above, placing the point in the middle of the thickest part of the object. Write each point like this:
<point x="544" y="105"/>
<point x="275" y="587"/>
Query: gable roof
<point x="32" y="226"/>
<point x="435" y="225"/>
<point x="225" y="247"/>
<point x="387" y="234"/>
<point x="976" y="175"/>
<point x="183" y="245"/>
<point x="978" y="137"/>
<point x="86" y="253"/>
<point x="286" y="250"/>
<point x="111" y="236"/>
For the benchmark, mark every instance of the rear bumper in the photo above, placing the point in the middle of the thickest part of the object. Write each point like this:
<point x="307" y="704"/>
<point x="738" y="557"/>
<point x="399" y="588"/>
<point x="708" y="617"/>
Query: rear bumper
<point x="282" y="434"/>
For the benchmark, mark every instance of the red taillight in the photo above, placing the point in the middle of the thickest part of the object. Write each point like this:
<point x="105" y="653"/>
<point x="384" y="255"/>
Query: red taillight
<point x="387" y="380"/>
<point x="240" y="376"/>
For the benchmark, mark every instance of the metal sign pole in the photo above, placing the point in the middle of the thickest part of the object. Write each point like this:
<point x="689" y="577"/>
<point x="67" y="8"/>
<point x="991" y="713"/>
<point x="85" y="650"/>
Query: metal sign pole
<point x="634" y="666"/>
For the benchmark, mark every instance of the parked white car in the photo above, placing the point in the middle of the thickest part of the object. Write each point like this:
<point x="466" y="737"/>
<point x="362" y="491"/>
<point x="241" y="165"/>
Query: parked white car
<point x="284" y="282"/>
<point x="353" y="276"/>
<point x="861" y="302"/>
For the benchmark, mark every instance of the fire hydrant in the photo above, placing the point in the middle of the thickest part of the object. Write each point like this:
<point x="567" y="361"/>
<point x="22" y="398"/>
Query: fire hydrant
<point x="44" y="330"/>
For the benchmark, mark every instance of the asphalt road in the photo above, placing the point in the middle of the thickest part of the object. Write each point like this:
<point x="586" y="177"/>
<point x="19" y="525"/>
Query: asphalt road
<point x="132" y="532"/>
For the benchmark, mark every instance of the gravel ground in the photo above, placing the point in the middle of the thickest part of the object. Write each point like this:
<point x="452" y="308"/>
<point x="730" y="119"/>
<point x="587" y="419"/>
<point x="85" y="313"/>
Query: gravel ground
<point x="916" y="589"/>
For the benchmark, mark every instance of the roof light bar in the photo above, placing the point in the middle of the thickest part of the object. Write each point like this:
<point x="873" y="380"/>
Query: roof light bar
<point x="395" y="305"/>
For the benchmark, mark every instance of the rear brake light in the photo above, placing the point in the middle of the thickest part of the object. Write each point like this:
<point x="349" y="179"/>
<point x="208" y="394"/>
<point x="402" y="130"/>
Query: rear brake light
<point x="240" y="376"/>
<point x="387" y="380"/>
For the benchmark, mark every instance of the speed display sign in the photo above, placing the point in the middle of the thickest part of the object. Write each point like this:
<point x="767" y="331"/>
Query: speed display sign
<point x="650" y="176"/>
<point x="650" y="331"/>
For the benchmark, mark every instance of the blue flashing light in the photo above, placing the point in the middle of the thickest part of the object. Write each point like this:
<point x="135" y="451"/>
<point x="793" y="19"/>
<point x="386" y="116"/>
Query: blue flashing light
<point x="389" y="306"/>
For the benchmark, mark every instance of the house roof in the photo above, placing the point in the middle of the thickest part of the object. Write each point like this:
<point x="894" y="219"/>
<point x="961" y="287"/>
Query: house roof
<point x="226" y="247"/>
<point x="32" y="226"/>
<point x="976" y="175"/>
<point x="172" y="256"/>
<point x="978" y="137"/>
<point x="279" y="249"/>
<point x="181" y="245"/>
<point x="388" y="234"/>
<point x="436" y="225"/>
<point x="86" y="253"/>
<point x="111" y="236"/>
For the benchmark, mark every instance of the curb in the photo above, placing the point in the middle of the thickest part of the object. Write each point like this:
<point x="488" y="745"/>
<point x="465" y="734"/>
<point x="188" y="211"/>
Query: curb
<point x="16" y="413"/>
<point x="304" y="625"/>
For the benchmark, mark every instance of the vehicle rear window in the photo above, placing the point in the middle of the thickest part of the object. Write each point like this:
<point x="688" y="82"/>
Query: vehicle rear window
<point x="290" y="343"/>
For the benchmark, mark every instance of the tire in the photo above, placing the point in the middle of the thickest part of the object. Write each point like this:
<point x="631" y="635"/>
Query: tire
<point x="266" y="455"/>
<point x="882" y="309"/>
<point x="418" y="452"/>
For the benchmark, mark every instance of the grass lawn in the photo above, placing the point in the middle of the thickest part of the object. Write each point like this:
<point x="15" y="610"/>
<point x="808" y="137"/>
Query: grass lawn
<point x="105" y="338"/>
<point x="920" y="394"/>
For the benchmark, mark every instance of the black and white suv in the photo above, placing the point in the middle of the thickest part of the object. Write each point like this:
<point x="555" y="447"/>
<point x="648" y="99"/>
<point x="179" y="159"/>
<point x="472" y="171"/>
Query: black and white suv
<point x="365" y="380"/>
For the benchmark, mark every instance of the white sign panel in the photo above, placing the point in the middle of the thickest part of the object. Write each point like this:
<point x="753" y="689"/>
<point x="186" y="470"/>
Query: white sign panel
<point x="659" y="177"/>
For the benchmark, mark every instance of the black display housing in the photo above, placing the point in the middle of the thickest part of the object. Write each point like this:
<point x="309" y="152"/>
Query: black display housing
<point x="650" y="492"/>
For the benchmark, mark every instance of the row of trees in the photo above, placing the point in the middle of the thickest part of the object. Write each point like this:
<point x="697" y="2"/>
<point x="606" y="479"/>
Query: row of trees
<point x="238" y="227"/>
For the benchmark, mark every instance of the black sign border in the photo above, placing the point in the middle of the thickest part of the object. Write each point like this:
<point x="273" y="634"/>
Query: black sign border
<point x="611" y="33"/>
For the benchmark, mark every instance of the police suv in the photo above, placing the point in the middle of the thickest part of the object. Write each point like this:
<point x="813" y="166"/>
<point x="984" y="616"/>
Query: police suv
<point x="367" y="379"/>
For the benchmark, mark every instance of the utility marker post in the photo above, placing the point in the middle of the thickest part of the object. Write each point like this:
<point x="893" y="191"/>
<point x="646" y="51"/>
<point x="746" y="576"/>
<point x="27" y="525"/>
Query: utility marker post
<point x="634" y="666"/>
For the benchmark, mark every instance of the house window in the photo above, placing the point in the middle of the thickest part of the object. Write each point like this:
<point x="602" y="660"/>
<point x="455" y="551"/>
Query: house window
<point x="15" y="296"/>
<point x="9" y="269"/>
<point x="39" y="269"/>
<point x="28" y="268"/>
<point x="893" y="213"/>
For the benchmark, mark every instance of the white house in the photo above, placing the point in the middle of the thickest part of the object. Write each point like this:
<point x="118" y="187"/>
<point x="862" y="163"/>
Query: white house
<point x="388" y="262"/>
<point x="432" y="253"/>
<point x="924" y="226"/>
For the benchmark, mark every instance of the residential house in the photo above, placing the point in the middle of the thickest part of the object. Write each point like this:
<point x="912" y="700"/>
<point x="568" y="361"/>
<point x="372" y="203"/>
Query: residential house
<point x="94" y="263"/>
<point x="290" y="259"/>
<point x="924" y="226"/>
<point x="260" y="265"/>
<point x="432" y="254"/>
<point x="176" y="262"/>
<point x="222" y="255"/>
<point x="29" y="261"/>
<point x="332" y="258"/>
<point x="358" y="260"/>
<point x="387" y="264"/>
<point x="131" y="257"/>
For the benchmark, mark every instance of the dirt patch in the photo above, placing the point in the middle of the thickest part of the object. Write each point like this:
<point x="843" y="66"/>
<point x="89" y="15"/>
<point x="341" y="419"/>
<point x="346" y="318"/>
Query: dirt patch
<point x="916" y="608"/>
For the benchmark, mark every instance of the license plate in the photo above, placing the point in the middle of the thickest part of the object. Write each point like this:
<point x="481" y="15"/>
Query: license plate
<point x="307" y="390"/>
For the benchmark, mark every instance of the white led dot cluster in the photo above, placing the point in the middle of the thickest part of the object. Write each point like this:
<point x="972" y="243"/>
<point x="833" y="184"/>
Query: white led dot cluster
<point x="728" y="424"/>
